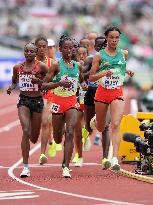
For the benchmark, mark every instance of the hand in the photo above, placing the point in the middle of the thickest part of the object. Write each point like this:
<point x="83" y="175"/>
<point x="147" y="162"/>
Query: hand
<point x="9" y="90"/>
<point x="35" y="80"/>
<point x="130" y="73"/>
<point x="108" y="73"/>
<point x="65" y="83"/>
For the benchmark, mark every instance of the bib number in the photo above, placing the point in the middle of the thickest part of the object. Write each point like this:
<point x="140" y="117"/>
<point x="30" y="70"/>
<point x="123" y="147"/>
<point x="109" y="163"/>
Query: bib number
<point x="25" y="83"/>
<point x="54" y="108"/>
<point x="74" y="82"/>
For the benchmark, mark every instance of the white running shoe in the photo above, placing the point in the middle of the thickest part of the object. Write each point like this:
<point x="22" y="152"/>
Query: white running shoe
<point x="25" y="172"/>
<point x="66" y="172"/>
<point x="79" y="162"/>
<point x="115" y="165"/>
<point x="87" y="144"/>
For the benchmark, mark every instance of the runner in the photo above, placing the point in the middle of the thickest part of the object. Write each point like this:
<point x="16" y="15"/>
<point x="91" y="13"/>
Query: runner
<point x="111" y="74"/>
<point x="78" y="158"/>
<point x="100" y="43"/>
<point x="84" y="42"/>
<point x="65" y="74"/>
<point x="92" y="37"/>
<point x="46" y="126"/>
<point x="30" y="103"/>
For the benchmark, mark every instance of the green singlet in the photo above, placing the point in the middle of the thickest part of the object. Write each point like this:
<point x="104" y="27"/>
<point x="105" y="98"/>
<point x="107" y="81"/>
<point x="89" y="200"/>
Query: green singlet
<point x="67" y="73"/>
<point x="117" y="64"/>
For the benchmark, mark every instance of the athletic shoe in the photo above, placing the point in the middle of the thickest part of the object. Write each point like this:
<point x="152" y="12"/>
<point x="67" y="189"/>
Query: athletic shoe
<point x="105" y="163"/>
<point x="42" y="159"/>
<point x="79" y="162"/>
<point x="87" y="144"/>
<point x="25" y="172"/>
<point x="115" y="165"/>
<point x="52" y="150"/>
<point x="85" y="133"/>
<point x="75" y="159"/>
<point x="63" y="166"/>
<point x="97" y="140"/>
<point x="58" y="147"/>
<point x="92" y="122"/>
<point x="66" y="172"/>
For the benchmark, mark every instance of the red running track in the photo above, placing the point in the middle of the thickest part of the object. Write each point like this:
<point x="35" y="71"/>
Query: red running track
<point x="90" y="185"/>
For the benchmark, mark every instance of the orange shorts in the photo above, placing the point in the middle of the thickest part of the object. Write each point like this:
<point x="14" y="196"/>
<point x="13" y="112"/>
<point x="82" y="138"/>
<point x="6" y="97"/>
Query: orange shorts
<point x="63" y="104"/>
<point x="81" y="107"/>
<point x="48" y="96"/>
<point x="106" y="96"/>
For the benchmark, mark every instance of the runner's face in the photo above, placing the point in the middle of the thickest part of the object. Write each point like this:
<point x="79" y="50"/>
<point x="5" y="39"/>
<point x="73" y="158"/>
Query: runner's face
<point x="82" y="54"/>
<point x="30" y="52"/>
<point x="66" y="49"/>
<point x="42" y="47"/>
<point x="113" y="39"/>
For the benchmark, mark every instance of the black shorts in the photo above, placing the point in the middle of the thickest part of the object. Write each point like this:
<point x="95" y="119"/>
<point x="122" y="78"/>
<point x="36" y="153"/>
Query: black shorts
<point x="89" y="97"/>
<point x="35" y="104"/>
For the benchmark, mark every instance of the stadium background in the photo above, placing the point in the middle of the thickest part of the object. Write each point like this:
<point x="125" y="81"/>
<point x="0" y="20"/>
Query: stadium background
<point x="23" y="20"/>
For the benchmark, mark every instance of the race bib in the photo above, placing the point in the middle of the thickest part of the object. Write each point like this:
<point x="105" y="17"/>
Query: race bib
<point x="74" y="84"/>
<point x="25" y="83"/>
<point x="54" y="108"/>
<point x="112" y="82"/>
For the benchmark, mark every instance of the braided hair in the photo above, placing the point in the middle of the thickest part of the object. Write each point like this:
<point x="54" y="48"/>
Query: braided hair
<point x="64" y="38"/>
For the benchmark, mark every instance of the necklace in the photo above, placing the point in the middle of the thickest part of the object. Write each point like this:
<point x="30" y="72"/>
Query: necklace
<point x="68" y="62"/>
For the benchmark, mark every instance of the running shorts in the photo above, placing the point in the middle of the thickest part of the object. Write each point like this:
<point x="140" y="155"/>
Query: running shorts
<point x="106" y="96"/>
<point x="35" y="104"/>
<point x="89" y="97"/>
<point x="48" y="96"/>
<point x="62" y="104"/>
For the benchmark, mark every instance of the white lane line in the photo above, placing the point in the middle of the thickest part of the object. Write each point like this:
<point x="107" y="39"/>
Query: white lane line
<point x="50" y="165"/>
<point x="19" y="197"/>
<point x="15" y="194"/>
<point x="16" y="190"/>
<point x="34" y="149"/>
<point x="9" y="126"/>
<point x="8" y="109"/>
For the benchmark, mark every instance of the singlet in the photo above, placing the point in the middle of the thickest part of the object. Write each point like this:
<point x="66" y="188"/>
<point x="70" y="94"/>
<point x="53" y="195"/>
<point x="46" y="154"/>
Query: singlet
<point x="66" y="73"/>
<point x="117" y="64"/>
<point x="24" y="77"/>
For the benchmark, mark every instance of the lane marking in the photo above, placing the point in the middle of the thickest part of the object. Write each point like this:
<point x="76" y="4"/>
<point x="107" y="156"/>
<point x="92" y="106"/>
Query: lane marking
<point x="7" y="110"/>
<point x="16" y="190"/>
<point x="9" y="126"/>
<point x="17" y="195"/>
<point x="50" y="165"/>
<point x="34" y="149"/>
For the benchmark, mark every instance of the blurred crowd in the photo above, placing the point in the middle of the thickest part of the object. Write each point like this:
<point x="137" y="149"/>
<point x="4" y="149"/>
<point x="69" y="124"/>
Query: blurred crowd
<point x="23" y="20"/>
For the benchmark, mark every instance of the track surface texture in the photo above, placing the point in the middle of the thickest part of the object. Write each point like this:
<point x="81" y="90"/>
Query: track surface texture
<point x="90" y="185"/>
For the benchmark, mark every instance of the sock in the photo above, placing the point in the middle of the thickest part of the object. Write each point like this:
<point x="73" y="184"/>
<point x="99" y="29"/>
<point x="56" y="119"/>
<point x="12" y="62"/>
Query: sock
<point x="25" y="165"/>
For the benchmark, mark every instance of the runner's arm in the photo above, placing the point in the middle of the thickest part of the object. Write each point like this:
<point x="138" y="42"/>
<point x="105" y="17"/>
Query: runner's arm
<point x="14" y="80"/>
<point x="128" y="71"/>
<point x="94" y="76"/>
